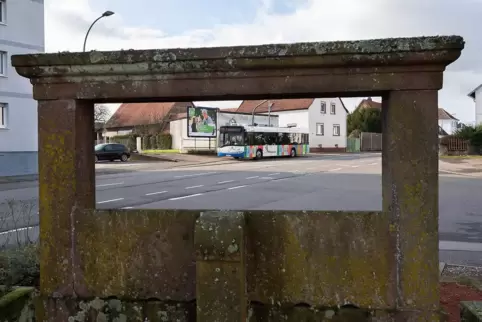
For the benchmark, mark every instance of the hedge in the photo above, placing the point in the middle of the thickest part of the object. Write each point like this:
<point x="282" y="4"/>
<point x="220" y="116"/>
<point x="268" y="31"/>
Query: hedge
<point x="157" y="142"/>
<point x="149" y="142"/>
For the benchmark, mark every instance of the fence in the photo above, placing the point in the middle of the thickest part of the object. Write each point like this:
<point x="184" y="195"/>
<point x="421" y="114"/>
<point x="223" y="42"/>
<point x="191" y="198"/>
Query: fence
<point x="455" y="144"/>
<point x="370" y="142"/>
<point x="353" y="145"/>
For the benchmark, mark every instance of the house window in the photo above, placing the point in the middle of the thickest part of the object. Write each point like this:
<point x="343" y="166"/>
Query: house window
<point x="3" y="63"/>
<point x="320" y="129"/>
<point x="3" y="115"/>
<point x="333" y="108"/>
<point x="3" y="11"/>
<point x="336" y="130"/>
<point x="323" y="108"/>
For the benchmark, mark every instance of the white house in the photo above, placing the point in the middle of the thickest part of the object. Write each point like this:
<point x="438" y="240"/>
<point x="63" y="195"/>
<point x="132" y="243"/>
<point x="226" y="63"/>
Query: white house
<point x="447" y="121"/>
<point x="476" y="95"/>
<point x="21" y="32"/>
<point x="324" y="117"/>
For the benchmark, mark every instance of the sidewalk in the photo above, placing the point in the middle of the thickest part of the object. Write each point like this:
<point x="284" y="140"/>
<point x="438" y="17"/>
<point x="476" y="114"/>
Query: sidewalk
<point x="471" y="167"/>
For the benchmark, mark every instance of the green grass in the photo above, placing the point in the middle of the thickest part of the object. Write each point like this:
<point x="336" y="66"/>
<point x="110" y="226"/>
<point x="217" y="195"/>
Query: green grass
<point x="159" y="151"/>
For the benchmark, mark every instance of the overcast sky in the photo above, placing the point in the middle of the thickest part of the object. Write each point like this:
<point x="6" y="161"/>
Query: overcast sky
<point x="146" y="24"/>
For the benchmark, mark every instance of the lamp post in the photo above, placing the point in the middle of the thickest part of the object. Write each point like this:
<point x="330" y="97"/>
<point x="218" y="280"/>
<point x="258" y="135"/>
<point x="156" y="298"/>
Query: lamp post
<point x="105" y="14"/>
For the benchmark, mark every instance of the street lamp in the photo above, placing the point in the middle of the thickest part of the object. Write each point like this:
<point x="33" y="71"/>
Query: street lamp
<point x="105" y="14"/>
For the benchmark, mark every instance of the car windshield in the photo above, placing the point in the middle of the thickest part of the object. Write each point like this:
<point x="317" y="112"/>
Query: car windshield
<point x="99" y="147"/>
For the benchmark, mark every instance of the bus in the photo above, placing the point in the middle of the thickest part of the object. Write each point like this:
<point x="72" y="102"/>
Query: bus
<point x="256" y="142"/>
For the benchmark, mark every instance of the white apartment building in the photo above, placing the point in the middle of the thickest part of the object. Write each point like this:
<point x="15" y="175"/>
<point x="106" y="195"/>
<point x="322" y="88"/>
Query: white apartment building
<point x="21" y="32"/>
<point x="476" y="95"/>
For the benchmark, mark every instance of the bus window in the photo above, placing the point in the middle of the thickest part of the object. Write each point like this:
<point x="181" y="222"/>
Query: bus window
<point x="284" y="138"/>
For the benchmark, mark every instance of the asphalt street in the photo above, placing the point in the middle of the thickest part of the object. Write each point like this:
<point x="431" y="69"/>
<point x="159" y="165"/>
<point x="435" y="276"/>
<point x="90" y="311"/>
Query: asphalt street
<point x="328" y="182"/>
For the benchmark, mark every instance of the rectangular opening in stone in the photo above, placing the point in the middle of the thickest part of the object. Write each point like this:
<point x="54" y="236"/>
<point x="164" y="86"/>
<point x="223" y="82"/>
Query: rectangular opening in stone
<point x="283" y="154"/>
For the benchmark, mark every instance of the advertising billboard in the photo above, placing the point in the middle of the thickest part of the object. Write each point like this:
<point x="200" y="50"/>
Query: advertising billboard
<point x="201" y="122"/>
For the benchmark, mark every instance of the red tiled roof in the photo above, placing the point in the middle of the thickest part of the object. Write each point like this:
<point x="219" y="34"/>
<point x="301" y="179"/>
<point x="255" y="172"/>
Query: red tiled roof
<point x="444" y="115"/>
<point x="278" y="105"/>
<point x="134" y="114"/>
<point x="369" y="103"/>
<point x="231" y="109"/>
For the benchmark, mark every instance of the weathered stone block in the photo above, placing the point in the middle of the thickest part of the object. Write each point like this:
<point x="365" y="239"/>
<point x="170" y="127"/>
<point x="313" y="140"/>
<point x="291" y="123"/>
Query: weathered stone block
<point x="320" y="258"/>
<point x="221" y="267"/>
<point x="137" y="254"/>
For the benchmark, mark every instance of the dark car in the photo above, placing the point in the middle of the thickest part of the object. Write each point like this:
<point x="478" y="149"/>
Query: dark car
<point x="111" y="152"/>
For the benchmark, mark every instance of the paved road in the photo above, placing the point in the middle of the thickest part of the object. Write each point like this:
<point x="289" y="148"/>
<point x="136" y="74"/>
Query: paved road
<point x="334" y="182"/>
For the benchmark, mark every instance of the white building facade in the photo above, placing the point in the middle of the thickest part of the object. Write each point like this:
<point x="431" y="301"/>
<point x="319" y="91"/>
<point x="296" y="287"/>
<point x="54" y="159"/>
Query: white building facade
<point x="476" y="95"/>
<point x="21" y="32"/>
<point x="326" y="120"/>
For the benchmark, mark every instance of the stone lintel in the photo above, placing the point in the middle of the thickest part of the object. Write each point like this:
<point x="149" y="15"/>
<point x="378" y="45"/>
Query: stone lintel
<point x="303" y="69"/>
<point x="358" y="49"/>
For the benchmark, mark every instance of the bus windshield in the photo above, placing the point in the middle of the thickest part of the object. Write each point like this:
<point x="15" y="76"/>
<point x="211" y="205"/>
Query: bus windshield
<point x="231" y="135"/>
<point x="235" y="139"/>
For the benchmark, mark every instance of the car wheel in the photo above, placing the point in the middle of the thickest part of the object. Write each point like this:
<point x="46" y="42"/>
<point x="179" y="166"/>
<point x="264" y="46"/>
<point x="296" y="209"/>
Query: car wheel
<point x="96" y="159"/>
<point x="293" y="152"/>
<point x="124" y="158"/>
<point x="259" y="154"/>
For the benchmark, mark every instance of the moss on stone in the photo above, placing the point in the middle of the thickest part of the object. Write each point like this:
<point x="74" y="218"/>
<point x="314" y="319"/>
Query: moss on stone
<point x="15" y="305"/>
<point x="387" y="45"/>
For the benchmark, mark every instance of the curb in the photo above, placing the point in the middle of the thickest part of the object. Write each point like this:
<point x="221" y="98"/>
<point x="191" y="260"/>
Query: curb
<point x="462" y="174"/>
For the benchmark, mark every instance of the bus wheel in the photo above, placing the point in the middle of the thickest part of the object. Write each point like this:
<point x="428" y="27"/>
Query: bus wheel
<point x="259" y="154"/>
<point x="293" y="152"/>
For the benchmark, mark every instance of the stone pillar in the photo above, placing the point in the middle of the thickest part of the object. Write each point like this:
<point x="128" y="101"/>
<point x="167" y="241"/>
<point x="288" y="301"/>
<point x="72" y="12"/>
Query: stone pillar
<point x="221" y="293"/>
<point x="410" y="196"/>
<point x="66" y="184"/>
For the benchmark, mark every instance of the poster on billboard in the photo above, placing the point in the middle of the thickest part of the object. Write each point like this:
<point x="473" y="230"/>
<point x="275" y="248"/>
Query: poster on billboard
<point x="201" y="122"/>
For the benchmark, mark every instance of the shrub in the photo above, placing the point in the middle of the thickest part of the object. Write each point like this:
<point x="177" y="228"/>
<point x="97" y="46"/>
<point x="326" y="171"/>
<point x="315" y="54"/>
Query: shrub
<point x="20" y="266"/>
<point x="164" y="141"/>
<point x="153" y="142"/>
<point x="476" y="139"/>
<point x="146" y="143"/>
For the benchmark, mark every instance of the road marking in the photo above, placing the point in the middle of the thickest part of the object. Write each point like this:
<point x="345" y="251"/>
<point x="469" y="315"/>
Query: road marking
<point x="460" y="246"/>
<point x="237" y="187"/>
<point x="193" y="187"/>
<point x="155" y="193"/>
<point x="221" y="182"/>
<point x="375" y="163"/>
<point x="336" y="169"/>
<point x="266" y="178"/>
<point x="109" y="184"/>
<point x="128" y="208"/>
<point x="194" y="175"/>
<point x="112" y="200"/>
<point x="355" y="166"/>
<point x="16" y="230"/>
<point x="273" y="174"/>
<point x="252" y="177"/>
<point x="188" y="196"/>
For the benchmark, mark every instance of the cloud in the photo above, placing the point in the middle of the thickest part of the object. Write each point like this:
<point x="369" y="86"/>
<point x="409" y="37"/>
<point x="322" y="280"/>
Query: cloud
<point x="311" y="20"/>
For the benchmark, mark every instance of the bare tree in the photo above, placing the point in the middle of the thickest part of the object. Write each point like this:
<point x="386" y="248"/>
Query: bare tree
<point x="101" y="113"/>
